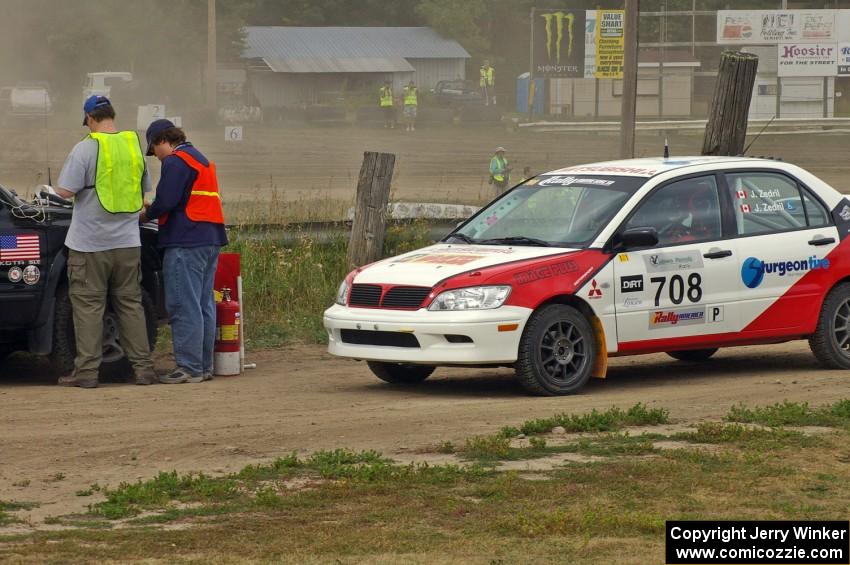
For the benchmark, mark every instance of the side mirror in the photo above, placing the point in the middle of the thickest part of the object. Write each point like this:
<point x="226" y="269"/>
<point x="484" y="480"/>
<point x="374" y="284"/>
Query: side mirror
<point x="638" y="237"/>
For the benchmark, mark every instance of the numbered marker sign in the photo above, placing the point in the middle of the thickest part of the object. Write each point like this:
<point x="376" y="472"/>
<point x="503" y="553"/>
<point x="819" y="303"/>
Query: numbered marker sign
<point x="233" y="133"/>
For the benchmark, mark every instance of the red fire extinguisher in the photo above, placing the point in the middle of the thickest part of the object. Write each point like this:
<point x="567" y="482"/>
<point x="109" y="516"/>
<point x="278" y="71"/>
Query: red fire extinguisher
<point x="227" y="336"/>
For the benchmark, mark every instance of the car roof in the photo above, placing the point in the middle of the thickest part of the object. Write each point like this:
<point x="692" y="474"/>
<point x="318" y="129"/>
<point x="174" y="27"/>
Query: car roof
<point x="649" y="167"/>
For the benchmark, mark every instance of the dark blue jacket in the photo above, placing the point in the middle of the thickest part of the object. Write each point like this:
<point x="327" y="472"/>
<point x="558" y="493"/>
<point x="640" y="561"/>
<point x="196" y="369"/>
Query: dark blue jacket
<point x="172" y="194"/>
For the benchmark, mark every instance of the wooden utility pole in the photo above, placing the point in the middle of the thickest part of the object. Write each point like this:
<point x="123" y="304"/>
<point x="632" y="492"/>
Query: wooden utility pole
<point x="211" y="66"/>
<point x="630" y="76"/>
<point x="370" y="211"/>
<point x="726" y="129"/>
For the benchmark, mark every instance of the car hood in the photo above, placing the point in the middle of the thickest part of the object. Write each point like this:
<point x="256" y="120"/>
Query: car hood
<point x="430" y="265"/>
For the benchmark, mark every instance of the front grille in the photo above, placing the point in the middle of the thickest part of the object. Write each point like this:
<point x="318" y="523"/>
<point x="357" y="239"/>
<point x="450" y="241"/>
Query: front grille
<point x="386" y="339"/>
<point x="365" y="295"/>
<point x="405" y="297"/>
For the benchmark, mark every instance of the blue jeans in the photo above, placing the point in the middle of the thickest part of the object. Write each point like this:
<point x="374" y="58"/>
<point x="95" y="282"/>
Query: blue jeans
<point x="189" y="274"/>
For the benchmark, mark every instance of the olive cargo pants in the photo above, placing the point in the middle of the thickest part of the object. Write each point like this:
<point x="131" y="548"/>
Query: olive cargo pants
<point x="92" y="277"/>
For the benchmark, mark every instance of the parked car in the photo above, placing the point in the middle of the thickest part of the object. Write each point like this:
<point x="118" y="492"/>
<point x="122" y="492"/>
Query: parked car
<point x="683" y="256"/>
<point x="457" y="92"/>
<point x="36" y="311"/>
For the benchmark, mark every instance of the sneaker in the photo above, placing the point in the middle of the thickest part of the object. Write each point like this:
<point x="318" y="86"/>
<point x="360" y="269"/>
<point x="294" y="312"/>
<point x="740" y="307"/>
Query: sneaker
<point x="199" y="378"/>
<point x="73" y="380"/>
<point x="178" y="376"/>
<point x="208" y="375"/>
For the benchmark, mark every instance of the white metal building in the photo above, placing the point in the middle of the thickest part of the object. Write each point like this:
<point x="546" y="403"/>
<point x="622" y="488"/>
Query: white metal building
<point x="293" y="66"/>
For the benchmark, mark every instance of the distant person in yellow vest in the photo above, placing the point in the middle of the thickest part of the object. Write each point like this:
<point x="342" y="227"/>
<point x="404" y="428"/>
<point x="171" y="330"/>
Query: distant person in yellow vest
<point x="106" y="175"/>
<point x="487" y="82"/>
<point x="385" y="100"/>
<point x="500" y="176"/>
<point x="411" y="101"/>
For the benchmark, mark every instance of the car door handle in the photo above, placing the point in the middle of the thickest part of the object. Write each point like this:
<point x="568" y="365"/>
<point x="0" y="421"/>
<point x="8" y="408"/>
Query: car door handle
<point x="822" y="241"/>
<point x="719" y="254"/>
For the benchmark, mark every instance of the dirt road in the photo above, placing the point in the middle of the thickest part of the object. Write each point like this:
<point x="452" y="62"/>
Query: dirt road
<point x="56" y="441"/>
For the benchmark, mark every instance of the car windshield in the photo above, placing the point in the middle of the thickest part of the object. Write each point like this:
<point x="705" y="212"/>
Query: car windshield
<point x="556" y="210"/>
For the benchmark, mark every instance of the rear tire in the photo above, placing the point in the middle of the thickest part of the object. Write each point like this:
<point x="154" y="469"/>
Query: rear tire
<point x="65" y="345"/>
<point x="400" y="373"/>
<point x="556" y="351"/>
<point x="831" y="341"/>
<point x="692" y="355"/>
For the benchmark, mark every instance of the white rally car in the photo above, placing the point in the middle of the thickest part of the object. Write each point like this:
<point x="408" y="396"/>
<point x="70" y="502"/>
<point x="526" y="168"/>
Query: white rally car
<point x="681" y="255"/>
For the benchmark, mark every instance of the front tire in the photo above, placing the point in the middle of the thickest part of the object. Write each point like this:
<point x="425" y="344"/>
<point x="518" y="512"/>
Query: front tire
<point x="692" y="355"/>
<point x="400" y="373"/>
<point x="114" y="365"/>
<point x="556" y="351"/>
<point x="831" y="341"/>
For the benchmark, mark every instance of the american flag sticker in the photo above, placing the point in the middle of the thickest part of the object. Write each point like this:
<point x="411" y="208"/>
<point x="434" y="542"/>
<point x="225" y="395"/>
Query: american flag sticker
<point x="741" y="194"/>
<point x="745" y="208"/>
<point x="19" y="248"/>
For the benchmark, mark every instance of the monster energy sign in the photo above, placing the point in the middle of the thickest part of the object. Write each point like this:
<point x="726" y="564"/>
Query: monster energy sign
<point x="558" y="49"/>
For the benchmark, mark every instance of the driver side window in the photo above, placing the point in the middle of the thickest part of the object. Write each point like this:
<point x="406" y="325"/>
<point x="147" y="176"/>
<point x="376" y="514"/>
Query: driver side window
<point x="681" y="212"/>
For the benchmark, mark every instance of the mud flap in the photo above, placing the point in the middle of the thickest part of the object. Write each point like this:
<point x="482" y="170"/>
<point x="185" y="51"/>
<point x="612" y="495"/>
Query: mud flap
<point x="600" y="363"/>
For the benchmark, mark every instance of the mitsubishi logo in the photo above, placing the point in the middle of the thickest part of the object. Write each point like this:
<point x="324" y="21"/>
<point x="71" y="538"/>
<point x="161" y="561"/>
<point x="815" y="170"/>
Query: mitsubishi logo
<point x="559" y="19"/>
<point x="595" y="291"/>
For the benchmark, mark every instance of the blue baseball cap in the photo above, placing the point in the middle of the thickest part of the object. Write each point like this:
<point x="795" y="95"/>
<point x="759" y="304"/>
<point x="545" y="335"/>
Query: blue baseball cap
<point x="157" y="126"/>
<point x="92" y="102"/>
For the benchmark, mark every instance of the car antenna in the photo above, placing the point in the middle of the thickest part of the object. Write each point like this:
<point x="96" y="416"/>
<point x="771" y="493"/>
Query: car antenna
<point x="49" y="178"/>
<point x="666" y="149"/>
<point x="747" y="148"/>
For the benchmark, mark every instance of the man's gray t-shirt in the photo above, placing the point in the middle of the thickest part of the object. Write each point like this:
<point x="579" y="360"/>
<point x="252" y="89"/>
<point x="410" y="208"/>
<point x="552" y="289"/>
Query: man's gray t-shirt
<point x="92" y="227"/>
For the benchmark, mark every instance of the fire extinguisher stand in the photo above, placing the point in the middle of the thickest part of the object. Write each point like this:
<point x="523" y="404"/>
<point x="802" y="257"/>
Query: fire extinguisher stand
<point x="242" y="342"/>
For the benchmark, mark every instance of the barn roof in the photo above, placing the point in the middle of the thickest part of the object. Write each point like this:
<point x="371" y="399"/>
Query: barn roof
<point x="346" y="49"/>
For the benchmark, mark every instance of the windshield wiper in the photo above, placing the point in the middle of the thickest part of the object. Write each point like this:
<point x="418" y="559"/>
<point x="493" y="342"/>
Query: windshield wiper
<point x="463" y="237"/>
<point x="516" y="239"/>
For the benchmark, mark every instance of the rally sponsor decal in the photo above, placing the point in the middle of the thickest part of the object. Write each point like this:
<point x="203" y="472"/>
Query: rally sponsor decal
<point x="632" y="302"/>
<point x="15" y="274"/>
<point x="570" y="181"/>
<point x="545" y="272"/>
<point x="610" y="169"/>
<point x="440" y="258"/>
<point x="631" y="283"/>
<point x="754" y="270"/>
<point x="674" y="261"/>
<point x="715" y="314"/>
<point x="623" y="257"/>
<point x="20" y="247"/>
<point x="675" y="317"/>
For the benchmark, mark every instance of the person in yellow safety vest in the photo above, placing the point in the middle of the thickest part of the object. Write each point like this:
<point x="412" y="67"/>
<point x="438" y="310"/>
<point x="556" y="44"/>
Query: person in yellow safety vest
<point x="499" y="171"/>
<point x="487" y="82"/>
<point x="411" y="101"/>
<point x="385" y="100"/>
<point x="106" y="175"/>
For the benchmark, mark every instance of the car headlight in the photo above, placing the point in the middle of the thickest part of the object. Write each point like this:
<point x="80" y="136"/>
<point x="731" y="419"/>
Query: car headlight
<point x="342" y="293"/>
<point x="473" y="298"/>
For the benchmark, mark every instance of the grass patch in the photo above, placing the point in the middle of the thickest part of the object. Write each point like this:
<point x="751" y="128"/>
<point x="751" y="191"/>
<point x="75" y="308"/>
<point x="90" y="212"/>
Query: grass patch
<point x="793" y="414"/>
<point x="13" y="506"/>
<point x="611" y="420"/>
<point x="752" y="438"/>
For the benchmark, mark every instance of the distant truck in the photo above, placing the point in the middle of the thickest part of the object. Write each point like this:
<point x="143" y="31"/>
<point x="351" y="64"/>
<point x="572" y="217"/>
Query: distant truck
<point x="26" y="100"/>
<point x="101" y="83"/>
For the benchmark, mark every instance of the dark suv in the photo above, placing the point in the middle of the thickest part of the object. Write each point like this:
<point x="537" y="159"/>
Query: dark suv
<point x="35" y="310"/>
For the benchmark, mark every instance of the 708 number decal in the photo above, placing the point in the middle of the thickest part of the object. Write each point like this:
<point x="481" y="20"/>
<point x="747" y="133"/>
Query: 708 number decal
<point x="676" y="288"/>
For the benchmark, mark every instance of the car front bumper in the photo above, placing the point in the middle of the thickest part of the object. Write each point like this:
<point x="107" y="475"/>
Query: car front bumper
<point x="492" y="339"/>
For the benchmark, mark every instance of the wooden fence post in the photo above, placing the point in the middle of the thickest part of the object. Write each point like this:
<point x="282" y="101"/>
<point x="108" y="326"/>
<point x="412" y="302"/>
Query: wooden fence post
<point x="370" y="211"/>
<point x="726" y="130"/>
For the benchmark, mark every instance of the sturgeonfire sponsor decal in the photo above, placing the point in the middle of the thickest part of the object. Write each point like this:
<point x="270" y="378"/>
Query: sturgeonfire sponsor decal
<point x="569" y="181"/>
<point x="676" y="317"/>
<point x="753" y="270"/>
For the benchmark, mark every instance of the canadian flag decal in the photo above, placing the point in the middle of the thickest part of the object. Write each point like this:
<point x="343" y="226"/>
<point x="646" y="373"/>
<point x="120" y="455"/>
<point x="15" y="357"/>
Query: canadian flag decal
<point x="742" y="194"/>
<point x="745" y="208"/>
